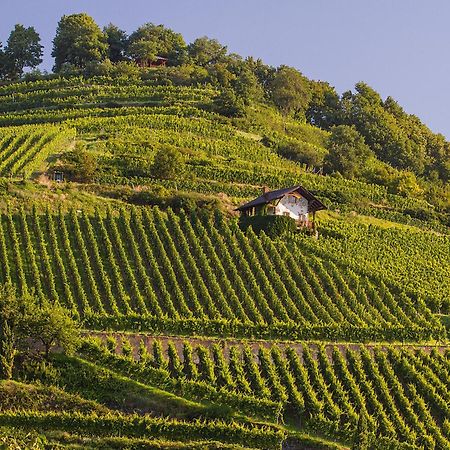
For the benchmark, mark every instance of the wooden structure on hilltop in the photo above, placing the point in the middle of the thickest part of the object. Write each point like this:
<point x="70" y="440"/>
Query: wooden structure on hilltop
<point x="158" y="62"/>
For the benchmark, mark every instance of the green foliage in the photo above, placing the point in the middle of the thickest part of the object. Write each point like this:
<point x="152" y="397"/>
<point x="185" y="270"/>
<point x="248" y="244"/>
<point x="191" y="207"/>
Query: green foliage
<point x="14" y="313"/>
<point x="229" y="104"/>
<point x="168" y="163"/>
<point x="117" y="42"/>
<point x="150" y="41"/>
<point x="324" y="109"/>
<point x="362" y="434"/>
<point x="290" y="91"/>
<point x="79" y="164"/>
<point x="204" y="51"/>
<point x="111" y="344"/>
<point x="273" y="226"/>
<point x="301" y="152"/>
<point x="52" y="326"/>
<point x="23" y="50"/>
<point x="127" y="349"/>
<point x="348" y="153"/>
<point x="128" y="274"/>
<point x="78" y="41"/>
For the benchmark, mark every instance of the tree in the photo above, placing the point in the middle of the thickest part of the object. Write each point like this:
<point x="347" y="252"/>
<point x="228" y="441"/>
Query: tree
<point x="80" y="165"/>
<point x="301" y="152"/>
<point x="117" y="42"/>
<point x="51" y="326"/>
<point x="290" y="90"/>
<point x="348" y="153"/>
<point x="78" y="41"/>
<point x="143" y="52"/>
<point x="244" y="82"/>
<point x="229" y="104"/>
<point x="204" y="51"/>
<point x="23" y="49"/>
<point x="25" y="321"/>
<point x="150" y="40"/>
<point x="263" y="72"/>
<point x="405" y="184"/>
<point x="168" y="163"/>
<point x="3" y="70"/>
<point x="14" y="310"/>
<point x="324" y="109"/>
<point x="394" y="136"/>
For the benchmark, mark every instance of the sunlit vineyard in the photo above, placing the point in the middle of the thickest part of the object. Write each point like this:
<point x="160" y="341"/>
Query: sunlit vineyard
<point x="160" y="285"/>
<point x="168" y="271"/>
<point x="418" y="261"/>
<point x="326" y="388"/>
<point x="124" y="124"/>
<point x="24" y="149"/>
<point x="78" y="92"/>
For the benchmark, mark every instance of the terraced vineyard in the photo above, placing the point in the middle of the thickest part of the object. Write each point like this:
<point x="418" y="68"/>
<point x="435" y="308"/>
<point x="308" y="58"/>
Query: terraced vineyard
<point x="404" y="393"/>
<point x="125" y="123"/>
<point x="187" y="272"/>
<point x="418" y="261"/>
<point x="23" y="150"/>
<point x="77" y="92"/>
<point x="158" y="271"/>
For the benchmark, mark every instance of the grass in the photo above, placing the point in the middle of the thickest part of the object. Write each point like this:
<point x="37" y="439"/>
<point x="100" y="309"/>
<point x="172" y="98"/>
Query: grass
<point x="16" y="395"/>
<point x="126" y="395"/>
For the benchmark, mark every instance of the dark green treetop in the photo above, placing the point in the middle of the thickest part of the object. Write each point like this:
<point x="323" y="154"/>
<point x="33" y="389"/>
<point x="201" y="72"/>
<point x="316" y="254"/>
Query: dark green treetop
<point x="204" y="51"/>
<point x="117" y="40"/>
<point x="348" y="153"/>
<point x="22" y="50"/>
<point x="290" y="90"/>
<point x="78" y="41"/>
<point x="150" y="40"/>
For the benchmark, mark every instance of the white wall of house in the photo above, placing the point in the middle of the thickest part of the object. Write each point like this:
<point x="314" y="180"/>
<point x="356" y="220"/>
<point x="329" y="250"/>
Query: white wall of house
<point x="295" y="207"/>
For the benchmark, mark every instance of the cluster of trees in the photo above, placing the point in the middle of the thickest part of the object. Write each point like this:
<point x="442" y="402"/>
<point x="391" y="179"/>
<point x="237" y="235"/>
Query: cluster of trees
<point x="79" y="41"/>
<point x="396" y="150"/>
<point x="28" y="326"/>
<point x="23" y="50"/>
<point x="395" y="137"/>
<point x="80" y="45"/>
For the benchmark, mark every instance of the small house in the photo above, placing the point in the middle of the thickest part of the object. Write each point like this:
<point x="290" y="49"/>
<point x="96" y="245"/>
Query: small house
<point x="159" y="61"/>
<point x="295" y="202"/>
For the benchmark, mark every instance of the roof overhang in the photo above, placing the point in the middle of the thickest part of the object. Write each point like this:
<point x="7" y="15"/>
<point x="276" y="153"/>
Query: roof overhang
<point x="314" y="204"/>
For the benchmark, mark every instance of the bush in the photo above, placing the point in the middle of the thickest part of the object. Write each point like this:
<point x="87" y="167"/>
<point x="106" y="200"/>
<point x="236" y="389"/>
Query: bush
<point x="168" y="163"/>
<point x="271" y="225"/>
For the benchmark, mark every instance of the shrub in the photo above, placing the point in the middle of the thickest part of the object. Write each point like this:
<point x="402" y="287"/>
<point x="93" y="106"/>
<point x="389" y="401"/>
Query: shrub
<point x="272" y="225"/>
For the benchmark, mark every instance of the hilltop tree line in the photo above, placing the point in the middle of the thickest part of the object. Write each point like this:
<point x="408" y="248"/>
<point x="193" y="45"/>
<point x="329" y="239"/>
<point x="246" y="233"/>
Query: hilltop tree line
<point x="370" y="138"/>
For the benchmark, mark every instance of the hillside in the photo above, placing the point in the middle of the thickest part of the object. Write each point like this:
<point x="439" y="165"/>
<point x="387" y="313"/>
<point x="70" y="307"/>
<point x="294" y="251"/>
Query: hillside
<point x="125" y="248"/>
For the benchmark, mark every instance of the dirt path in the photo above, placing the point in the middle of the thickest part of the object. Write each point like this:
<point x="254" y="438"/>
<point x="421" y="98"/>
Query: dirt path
<point x="225" y="344"/>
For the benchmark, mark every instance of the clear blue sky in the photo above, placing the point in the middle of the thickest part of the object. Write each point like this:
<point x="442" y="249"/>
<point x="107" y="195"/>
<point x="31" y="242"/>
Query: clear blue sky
<point x="399" y="47"/>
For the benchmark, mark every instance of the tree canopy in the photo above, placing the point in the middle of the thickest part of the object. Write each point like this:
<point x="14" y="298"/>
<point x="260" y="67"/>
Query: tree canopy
<point x="348" y="153"/>
<point x="23" y="50"/>
<point x="51" y="326"/>
<point x="204" y="51"/>
<point x="26" y="322"/>
<point x="168" y="163"/>
<point x="117" y="40"/>
<point x="150" y="41"/>
<point x="290" y="90"/>
<point x="78" y="41"/>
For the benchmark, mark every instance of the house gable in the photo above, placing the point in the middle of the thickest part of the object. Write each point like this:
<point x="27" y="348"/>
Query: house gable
<point x="293" y="205"/>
